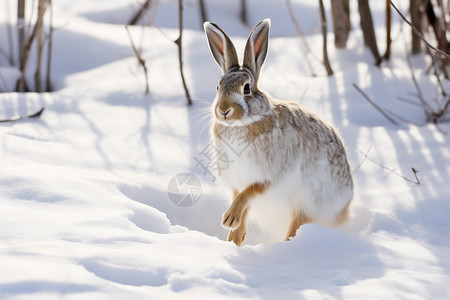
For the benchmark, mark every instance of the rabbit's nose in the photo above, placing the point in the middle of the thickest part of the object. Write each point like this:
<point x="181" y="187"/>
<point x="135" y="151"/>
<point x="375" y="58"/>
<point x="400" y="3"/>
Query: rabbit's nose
<point x="229" y="111"/>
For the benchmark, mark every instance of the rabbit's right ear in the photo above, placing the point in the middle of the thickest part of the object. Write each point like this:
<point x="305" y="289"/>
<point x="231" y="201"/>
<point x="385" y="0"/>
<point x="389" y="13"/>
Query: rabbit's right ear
<point x="221" y="47"/>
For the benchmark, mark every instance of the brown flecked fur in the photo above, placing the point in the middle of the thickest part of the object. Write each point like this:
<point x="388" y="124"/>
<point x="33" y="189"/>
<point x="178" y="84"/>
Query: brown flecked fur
<point x="298" y="219"/>
<point x="233" y="217"/>
<point x="238" y="235"/>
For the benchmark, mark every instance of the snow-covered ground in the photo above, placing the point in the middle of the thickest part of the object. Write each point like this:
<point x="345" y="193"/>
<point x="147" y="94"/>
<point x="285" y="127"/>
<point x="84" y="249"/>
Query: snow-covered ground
<point x="85" y="211"/>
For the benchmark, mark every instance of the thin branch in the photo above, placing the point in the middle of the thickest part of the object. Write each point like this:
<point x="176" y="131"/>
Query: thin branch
<point x="302" y="37"/>
<point x="140" y="60"/>
<point x="419" y="33"/>
<point x="244" y="18"/>
<point x="409" y="101"/>
<point x="23" y="69"/>
<point x="387" y="54"/>
<point x="374" y="104"/>
<point x="18" y="117"/>
<point x="50" y="47"/>
<point x="415" y="175"/>
<point x="21" y="29"/>
<point x="403" y="119"/>
<point x="392" y="170"/>
<point x="436" y="73"/>
<point x="138" y="15"/>
<point x="178" y="42"/>
<point x="324" y="34"/>
<point x="363" y="160"/>
<point x="42" y="5"/>
<point x="426" y="108"/>
<point x="203" y="11"/>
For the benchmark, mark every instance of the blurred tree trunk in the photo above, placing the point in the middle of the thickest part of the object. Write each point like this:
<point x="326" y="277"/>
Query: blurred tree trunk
<point x="40" y="42"/>
<point x="21" y="29"/>
<point x="367" y="28"/>
<point x="244" y="17"/>
<point x="203" y="11"/>
<point x="341" y="22"/>
<point x="179" y="43"/>
<point x="387" y="54"/>
<point x="416" y="10"/>
<point x="326" y="62"/>
<point x="438" y="28"/>
<point x="50" y="46"/>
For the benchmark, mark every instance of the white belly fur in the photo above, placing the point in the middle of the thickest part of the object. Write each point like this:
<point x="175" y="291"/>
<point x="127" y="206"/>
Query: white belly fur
<point x="312" y="191"/>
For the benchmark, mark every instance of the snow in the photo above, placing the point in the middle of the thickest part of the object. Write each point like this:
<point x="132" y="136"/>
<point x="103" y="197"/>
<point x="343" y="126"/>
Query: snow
<point x="85" y="211"/>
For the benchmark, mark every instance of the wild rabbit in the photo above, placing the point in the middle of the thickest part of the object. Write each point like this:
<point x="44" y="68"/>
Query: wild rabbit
<point x="294" y="169"/>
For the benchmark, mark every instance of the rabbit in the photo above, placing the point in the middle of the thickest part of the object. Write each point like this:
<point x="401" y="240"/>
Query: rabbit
<point x="287" y="167"/>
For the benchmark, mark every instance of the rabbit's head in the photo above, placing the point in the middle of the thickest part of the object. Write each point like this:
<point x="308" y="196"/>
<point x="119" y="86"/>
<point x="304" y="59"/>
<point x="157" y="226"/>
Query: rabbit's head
<point x="238" y="101"/>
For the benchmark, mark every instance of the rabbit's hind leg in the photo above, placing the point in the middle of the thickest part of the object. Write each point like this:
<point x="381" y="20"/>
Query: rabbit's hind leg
<point x="238" y="235"/>
<point x="298" y="219"/>
<point x="344" y="215"/>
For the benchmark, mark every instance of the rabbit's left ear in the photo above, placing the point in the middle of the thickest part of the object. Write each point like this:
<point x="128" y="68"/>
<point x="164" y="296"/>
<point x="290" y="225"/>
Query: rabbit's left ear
<point x="256" y="47"/>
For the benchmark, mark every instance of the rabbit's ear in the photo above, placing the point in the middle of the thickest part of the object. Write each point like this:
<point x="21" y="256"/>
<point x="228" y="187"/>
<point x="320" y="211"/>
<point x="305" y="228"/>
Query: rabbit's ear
<point x="256" y="47"/>
<point x="221" y="47"/>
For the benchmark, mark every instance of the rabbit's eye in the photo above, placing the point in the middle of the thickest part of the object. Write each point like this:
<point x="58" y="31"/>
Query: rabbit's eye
<point x="217" y="87"/>
<point x="247" y="89"/>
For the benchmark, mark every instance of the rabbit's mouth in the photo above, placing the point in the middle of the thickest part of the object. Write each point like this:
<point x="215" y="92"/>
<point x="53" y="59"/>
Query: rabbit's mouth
<point x="241" y="122"/>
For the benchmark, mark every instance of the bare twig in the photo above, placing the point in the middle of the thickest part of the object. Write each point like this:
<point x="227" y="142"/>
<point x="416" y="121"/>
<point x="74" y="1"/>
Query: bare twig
<point x="438" y="115"/>
<point x="138" y="15"/>
<point x="393" y="171"/>
<point x="439" y="31"/>
<point x="40" y="40"/>
<point x="49" y="51"/>
<point x="374" y="104"/>
<point x="302" y="37"/>
<point x="387" y="54"/>
<point x="436" y="73"/>
<point x="415" y="175"/>
<point x="403" y="119"/>
<point x="178" y="42"/>
<point x="363" y="160"/>
<point x="324" y="34"/>
<point x="426" y="108"/>
<point x="419" y="33"/>
<point x="140" y="60"/>
<point x="23" y="69"/>
<point x="409" y="101"/>
<point x="18" y="117"/>
<point x="244" y="17"/>
<point x="21" y="29"/>
<point x="203" y="11"/>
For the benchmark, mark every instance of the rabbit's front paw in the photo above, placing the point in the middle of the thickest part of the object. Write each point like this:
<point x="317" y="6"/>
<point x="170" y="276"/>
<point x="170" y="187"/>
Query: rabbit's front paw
<point x="232" y="218"/>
